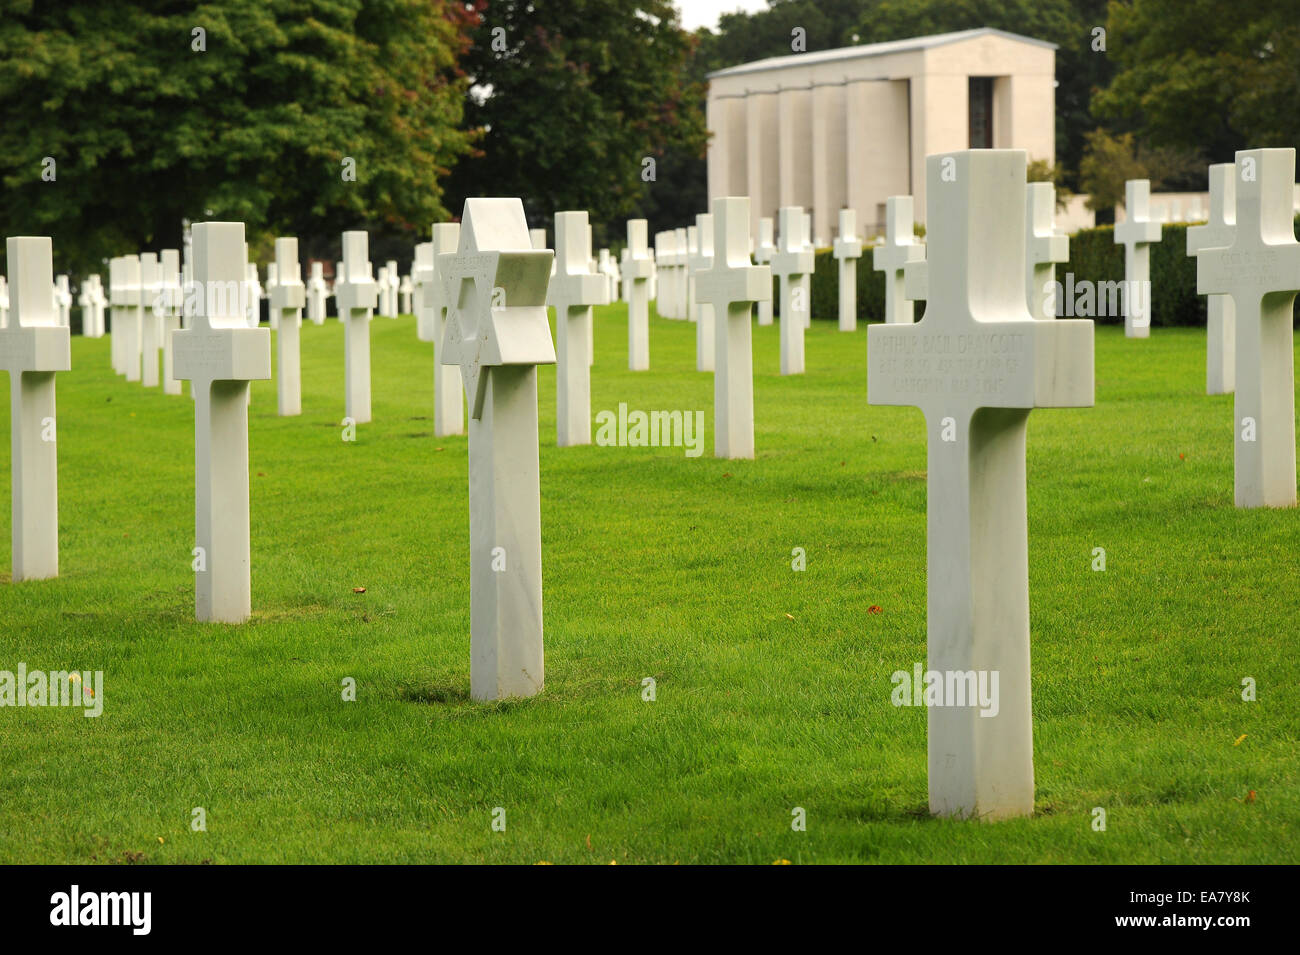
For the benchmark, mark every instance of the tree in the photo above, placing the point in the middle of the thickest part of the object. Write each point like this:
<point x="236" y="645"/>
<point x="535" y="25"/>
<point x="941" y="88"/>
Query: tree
<point x="1110" y="161"/>
<point x="572" y="97"/>
<point x="242" y="110"/>
<point x="1205" y="75"/>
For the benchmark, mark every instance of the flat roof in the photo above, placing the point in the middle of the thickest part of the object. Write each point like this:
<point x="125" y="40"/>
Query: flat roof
<point x="872" y="49"/>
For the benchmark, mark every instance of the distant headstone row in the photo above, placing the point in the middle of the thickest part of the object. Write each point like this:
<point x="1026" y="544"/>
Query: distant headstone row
<point x="987" y="350"/>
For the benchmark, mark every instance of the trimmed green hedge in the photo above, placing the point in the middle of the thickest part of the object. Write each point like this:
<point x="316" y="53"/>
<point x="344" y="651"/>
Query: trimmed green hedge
<point x="1094" y="256"/>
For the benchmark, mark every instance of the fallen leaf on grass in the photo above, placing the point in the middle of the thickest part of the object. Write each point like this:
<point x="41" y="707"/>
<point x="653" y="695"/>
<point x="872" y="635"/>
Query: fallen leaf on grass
<point x="1250" y="796"/>
<point x="358" y="590"/>
<point x="781" y="862"/>
<point x="875" y="608"/>
<point x="788" y="617"/>
<point x="1237" y="741"/>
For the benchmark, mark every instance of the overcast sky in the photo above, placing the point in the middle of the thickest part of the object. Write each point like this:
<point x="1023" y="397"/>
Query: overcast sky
<point x="704" y="13"/>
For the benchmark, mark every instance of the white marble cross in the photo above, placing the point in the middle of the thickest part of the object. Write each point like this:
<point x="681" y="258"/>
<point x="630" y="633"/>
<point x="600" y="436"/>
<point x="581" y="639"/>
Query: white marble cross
<point x="497" y="332"/>
<point x="573" y="291"/>
<point x="422" y="273"/>
<point x="124" y="287"/>
<point x="91" y="307"/>
<point x="681" y="285"/>
<point x="847" y="248"/>
<point x="4" y="302"/>
<point x="219" y="354"/>
<point x="636" y="280"/>
<point x="287" y="300"/>
<point x="976" y="364"/>
<point x="704" y="314"/>
<point x="394" y="282"/>
<point x="1260" y="272"/>
<point x="172" y="297"/>
<point x="1220" y="328"/>
<point x="891" y="257"/>
<point x="1044" y="248"/>
<point x="448" y="389"/>
<point x="63" y="300"/>
<point x="381" y="283"/>
<point x="763" y="252"/>
<point x="33" y="346"/>
<point x="793" y="264"/>
<point x="665" y="297"/>
<point x="405" y="290"/>
<point x="356" y="294"/>
<point x="731" y="286"/>
<point x="1136" y="233"/>
<point x="150" y="317"/>
<point x="316" y="294"/>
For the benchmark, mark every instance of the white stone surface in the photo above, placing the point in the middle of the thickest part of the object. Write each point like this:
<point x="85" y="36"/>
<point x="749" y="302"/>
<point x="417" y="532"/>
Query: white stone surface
<point x="151" y="321"/>
<point x="394" y="283"/>
<point x="498" y="350"/>
<point x="406" y="290"/>
<point x="1136" y="233"/>
<point x="253" y="291"/>
<point x="219" y="353"/>
<point x="91" y="300"/>
<point x="847" y="249"/>
<point x="700" y="262"/>
<point x="976" y="364"/>
<point x="763" y="251"/>
<point x="1260" y="272"/>
<point x="899" y="248"/>
<point x="1220" y="326"/>
<point x="316" y="294"/>
<point x="448" y="389"/>
<point x="172" y="305"/>
<point x="287" y="300"/>
<point x="125" y="291"/>
<point x="422" y="275"/>
<point x="33" y="347"/>
<point x="63" y="300"/>
<point x="681" y="286"/>
<point x="356" y="294"/>
<point x="793" y="264"/>
<point x="636" y="280"/>
<point x="573" y="291"/>
<point x="731" y="286"/>
<point x="1044" y="248"/>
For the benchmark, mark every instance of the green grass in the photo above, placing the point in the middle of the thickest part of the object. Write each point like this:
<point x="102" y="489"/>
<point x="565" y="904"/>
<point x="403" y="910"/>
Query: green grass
<point x="773" y="686"/>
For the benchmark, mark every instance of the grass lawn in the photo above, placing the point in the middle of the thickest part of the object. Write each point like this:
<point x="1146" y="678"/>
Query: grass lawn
<point x="773" y="686"/>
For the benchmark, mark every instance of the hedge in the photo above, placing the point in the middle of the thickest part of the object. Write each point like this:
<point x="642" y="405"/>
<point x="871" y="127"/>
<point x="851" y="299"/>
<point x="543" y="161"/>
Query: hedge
<point x="1094" y="256"/>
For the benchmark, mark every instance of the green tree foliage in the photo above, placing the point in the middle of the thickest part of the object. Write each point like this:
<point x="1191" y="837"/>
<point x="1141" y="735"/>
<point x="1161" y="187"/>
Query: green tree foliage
<point x="1110" y="160"/>
<point x="1205" y="75"/>
<point x="572" y="97"/>
<point x="146" y="129"/>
